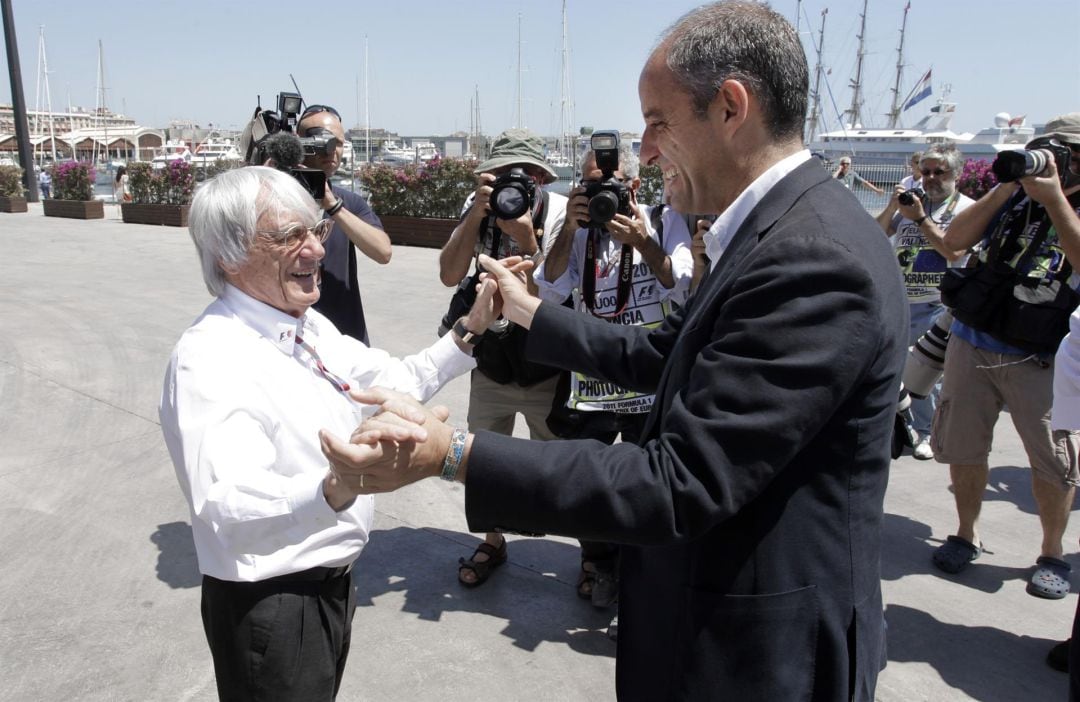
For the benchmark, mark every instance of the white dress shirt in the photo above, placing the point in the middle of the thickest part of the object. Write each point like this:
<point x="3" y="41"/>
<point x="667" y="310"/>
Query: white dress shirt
<point x="723" y="229"/>
<point x="241" y="409"/>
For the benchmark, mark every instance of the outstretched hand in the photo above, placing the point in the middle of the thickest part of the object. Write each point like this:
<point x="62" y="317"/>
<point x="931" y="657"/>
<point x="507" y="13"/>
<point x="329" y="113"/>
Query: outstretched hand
<point x="403" y="443"/>
<point x="517" y="304"/>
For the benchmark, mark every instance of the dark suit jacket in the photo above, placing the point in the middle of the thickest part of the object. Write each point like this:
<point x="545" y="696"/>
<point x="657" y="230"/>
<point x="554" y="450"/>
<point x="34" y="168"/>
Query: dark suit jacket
<point x="752" y="507"/>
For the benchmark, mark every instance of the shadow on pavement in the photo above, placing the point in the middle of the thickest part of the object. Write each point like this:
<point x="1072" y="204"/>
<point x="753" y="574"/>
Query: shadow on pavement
<point x="985" y="663"/>
<point x="177" y="565"/>
<point x="538" y="606"/>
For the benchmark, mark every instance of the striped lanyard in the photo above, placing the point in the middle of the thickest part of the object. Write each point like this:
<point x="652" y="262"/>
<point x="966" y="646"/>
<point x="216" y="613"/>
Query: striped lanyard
<point x="337" y="381"/>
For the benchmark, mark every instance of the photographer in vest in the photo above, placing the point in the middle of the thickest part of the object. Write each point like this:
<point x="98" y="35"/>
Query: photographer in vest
<point x="1011" y="312"/>
<point x="509" y="214"/>
<point x="915" y="220"/>
<point x="628" y="269"/>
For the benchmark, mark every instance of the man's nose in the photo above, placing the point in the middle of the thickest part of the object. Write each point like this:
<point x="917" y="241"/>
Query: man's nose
<point x="649" y="153"/>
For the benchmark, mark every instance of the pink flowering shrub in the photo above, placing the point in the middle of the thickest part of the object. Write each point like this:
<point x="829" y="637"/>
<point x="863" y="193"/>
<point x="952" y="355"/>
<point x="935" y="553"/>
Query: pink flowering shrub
<point x="437" y="188"/>
<point x="976" y="179"/>
<point x="73" y="180"/>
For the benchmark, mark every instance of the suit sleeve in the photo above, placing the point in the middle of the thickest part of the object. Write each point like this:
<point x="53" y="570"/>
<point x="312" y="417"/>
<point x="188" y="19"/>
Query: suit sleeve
<point x="785" y="347"/>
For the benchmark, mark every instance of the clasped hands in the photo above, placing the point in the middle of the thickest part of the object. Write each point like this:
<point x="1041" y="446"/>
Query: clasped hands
<point x="404" y="441"/>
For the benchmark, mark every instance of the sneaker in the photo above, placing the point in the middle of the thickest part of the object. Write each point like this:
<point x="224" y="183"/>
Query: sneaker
<point x="613" y="628"/>
<point x="922" y="450"/>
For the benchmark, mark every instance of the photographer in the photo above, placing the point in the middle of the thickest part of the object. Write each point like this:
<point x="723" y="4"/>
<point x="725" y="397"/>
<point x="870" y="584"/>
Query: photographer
<point x="847" y="175"/>
<point x="656" y="243"/>
<point x="1030" y="230"/>
<point x="504" y="383"/>
<point x="916" y="220"/>
<point x="355" y="224"/>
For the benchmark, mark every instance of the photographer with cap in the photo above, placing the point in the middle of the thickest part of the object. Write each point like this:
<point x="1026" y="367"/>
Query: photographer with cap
<point x="915" y="219"/>
<point x="1004" y="340"/>
<point x="355" y="224"/>
<point x="503" y="384"/>
<point x="654" y="242"/>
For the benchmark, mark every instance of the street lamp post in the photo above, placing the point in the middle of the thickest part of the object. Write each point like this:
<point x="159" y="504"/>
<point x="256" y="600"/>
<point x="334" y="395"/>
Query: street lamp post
<point x="22" y="136"/>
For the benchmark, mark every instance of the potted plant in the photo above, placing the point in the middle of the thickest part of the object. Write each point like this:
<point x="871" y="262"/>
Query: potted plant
<point x="159" y="196"/>
<point x="420" y="205"/>
<point x="73" y="192"/>
<point x="12" y="192"/>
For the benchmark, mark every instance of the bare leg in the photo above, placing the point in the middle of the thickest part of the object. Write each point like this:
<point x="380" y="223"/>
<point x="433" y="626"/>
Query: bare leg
<point x="1054" y="503"/>
<point x="969" y="483"/>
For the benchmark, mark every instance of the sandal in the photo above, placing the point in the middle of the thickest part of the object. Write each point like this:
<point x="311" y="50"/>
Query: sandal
<point x="955" y="554"/>
<point x="496" y="556"/>
<point x="1050" y="579"/>
<point x="586" y="580"/>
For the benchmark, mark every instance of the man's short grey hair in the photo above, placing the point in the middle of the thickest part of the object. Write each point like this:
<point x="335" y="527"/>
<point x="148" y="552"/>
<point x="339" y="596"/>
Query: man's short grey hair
<point x="916" y="157"/>
<point x="226" y="209"/>
<point x="947" y="154"/>
<point x="748" y="42"/>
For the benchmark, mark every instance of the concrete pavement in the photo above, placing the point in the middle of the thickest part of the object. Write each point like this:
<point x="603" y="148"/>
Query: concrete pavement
<point x="99" y="598"/>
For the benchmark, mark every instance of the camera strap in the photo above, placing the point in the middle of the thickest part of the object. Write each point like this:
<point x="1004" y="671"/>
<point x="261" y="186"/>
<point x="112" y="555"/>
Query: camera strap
<point x="588" y="278"/>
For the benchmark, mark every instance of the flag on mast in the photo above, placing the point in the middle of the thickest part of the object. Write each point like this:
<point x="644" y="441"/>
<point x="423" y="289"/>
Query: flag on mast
<point x="919" y="92"/>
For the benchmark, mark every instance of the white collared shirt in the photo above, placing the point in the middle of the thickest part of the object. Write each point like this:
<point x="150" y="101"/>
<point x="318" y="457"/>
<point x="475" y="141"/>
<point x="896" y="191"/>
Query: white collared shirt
<point x="723" y="229"/>
<point x="241" y="409"/>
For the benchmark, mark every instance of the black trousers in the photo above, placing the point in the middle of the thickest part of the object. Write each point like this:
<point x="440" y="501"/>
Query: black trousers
<point x="279" y="639"/>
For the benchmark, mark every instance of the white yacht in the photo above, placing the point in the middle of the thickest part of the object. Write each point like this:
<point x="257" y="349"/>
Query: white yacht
<point x="172" y="151"/>
<point x="1007" y="134"/>
<point x="213" y="150"/>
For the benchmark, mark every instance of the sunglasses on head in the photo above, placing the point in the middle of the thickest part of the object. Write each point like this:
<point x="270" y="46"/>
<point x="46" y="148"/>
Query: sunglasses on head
<point x="936" y="171"/>
<point x="316" y="109"/>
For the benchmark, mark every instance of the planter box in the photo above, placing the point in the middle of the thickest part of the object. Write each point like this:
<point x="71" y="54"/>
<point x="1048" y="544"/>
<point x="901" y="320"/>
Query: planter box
<point x="168" y="215"/>
<point x="12" y="204"/>
<point x="418" y="231"/>
<point x="75" y="209"/>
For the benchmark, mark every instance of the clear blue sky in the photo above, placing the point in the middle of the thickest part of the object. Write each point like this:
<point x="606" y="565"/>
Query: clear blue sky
<point x="207" y="60"/>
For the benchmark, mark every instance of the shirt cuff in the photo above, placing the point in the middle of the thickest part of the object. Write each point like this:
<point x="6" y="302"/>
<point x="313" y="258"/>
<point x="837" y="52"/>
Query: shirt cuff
<point x="308" y="503"/>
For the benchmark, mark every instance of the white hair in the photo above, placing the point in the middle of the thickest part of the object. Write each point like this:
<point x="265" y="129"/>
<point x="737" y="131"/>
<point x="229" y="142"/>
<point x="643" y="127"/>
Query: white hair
<point x="225" y="210"/>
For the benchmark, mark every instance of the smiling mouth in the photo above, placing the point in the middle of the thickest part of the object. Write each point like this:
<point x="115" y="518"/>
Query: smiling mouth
<point x="670" y="173"/>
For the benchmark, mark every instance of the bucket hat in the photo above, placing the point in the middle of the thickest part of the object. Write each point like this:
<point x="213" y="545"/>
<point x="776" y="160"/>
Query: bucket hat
<point x="516" y="147"/>
<point x="1065" y="128"/>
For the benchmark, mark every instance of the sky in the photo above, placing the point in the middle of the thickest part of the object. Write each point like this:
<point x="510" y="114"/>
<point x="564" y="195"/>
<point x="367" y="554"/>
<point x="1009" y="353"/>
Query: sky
<point x="208" y="61"/>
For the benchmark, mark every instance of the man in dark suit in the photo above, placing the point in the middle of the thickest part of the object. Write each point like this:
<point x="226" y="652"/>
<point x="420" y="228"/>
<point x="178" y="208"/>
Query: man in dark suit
<point x="752" y="508"/>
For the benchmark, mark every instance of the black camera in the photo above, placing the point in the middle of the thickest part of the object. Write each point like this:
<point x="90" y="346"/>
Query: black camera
<point x="610" y="196"/>
<point x="908" y="197"/>
<point x="1010" y="166"/>
<point x="513" y="194"/>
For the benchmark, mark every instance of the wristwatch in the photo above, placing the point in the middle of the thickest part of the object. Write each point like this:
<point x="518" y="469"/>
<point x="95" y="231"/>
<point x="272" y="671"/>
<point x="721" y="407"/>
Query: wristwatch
<point x="470" y="338"/>
<point x="920" y="220"/>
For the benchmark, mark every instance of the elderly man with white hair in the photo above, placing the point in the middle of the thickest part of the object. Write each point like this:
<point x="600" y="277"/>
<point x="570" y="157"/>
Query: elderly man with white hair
<point x="248" y="388"/>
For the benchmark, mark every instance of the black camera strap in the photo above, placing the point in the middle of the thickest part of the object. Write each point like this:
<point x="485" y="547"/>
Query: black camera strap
<point x="588" y="278"/>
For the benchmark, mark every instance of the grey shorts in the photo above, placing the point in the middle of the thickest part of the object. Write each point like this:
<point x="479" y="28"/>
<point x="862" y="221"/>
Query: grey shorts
<point x="977" y="385"/>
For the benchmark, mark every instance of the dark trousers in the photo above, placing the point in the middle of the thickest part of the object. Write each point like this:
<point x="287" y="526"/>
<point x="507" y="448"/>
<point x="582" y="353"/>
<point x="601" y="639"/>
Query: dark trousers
<point x="279" y="639"/>
<point x="606" y="427"/>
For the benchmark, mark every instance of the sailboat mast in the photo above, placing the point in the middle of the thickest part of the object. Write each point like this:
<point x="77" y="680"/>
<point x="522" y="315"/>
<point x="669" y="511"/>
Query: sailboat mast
<point x="101" y="107"/>
<point x="566" y="114"/>
<point x="894" y="113"/>
<point x="815" y="110"/>
<point x="855" y="111"/>
<point x="367" y="111"/>
<point x="520" y="121"/>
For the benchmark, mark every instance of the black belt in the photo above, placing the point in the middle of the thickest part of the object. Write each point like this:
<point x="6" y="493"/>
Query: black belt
<point x="316" y="573"/>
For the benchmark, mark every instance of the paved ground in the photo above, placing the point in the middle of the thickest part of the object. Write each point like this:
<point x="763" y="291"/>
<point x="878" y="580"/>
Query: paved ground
<point x="99" y="597"/>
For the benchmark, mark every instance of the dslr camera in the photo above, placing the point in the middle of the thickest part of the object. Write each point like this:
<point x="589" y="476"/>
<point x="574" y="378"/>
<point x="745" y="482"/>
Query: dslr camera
<point x="512" y="194"/>
<point x="908" y="197"/>
<point x="926" y="359"/>
<point x="608" y="197"/>
<point x="272" y="135"/>
<point x="1010" y="166"/>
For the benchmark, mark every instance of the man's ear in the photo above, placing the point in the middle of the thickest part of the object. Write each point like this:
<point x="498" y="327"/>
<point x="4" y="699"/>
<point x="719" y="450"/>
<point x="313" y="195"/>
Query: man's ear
<point x="732" y="101"/>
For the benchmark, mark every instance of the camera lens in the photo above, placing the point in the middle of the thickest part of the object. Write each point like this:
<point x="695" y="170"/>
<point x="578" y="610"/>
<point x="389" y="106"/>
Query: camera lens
<point x="510" y="201"/>
<point x="603" y="206"/>
<point x="906" y="198"/>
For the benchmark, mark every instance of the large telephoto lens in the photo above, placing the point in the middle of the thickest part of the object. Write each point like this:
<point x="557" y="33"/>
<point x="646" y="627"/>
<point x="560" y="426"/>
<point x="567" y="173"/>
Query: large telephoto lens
<point x="603" y="206"/>
<point x="1011" y="166"/>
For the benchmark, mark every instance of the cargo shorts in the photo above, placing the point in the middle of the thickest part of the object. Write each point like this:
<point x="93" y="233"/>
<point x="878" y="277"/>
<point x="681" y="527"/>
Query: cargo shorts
<point x="977" y="385"/>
